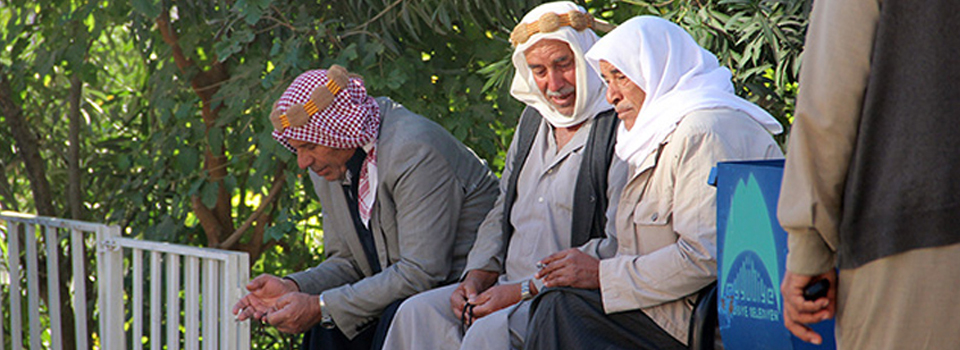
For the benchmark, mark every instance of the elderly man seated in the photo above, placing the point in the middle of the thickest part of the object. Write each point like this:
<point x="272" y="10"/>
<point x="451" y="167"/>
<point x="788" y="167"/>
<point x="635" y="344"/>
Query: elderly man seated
<point x="560" y="176"/>
<point x="680" y="117"/>
<point x="402" y="200"/>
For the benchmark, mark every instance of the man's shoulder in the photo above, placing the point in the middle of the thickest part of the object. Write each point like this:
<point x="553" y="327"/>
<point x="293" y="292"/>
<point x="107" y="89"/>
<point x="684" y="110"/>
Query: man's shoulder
<point x="404" y="133"/>
<point x="713" y="121"/>
<point x="400" y="124"/>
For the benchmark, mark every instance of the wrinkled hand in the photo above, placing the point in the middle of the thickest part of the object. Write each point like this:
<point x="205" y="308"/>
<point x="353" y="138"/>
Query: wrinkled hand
<point x="495" y="298"/>
<point x="295" y="313"/>
<point x="264" y="292"/>
<point x="570" y="268"/>
<point x="798" y="312"/>
<point x="473" y="284"/>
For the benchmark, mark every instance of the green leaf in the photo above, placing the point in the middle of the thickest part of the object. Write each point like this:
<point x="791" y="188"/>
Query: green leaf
<point x="225" y="48"/>
<point x="148" y="8"/>
<point x="350" y="53"/>
<point x="188" y="159"/>
<point x="195" y="186"/>
<point x="277" y="232"/>
<point x="208" y="194"/>
<point x="215" y="140"/>
<point x="88" y="73"/>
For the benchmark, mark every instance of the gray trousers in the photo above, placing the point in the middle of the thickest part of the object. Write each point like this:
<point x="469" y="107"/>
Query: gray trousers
<point x="573" y="318"/>
<point x="426" y="321"/>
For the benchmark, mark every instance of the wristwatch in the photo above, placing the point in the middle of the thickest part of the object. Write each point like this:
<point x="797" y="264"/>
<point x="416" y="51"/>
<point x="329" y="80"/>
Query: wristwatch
<point x="525" y="290"/>
<point x="325" y="320"/>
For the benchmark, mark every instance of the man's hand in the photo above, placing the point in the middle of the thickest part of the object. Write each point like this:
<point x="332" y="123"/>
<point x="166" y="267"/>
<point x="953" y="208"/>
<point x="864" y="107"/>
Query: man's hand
<point x="295" y="313"/>
<point x="570" y="268"/>
<point x="798" y="312"/>
<point x="495" y="298"/>
<point x="264" y="292"/>
<point x="473" y="284"/>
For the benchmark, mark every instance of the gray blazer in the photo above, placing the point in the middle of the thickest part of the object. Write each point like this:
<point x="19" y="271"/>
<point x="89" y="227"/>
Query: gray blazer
<point x="433" y="192"/>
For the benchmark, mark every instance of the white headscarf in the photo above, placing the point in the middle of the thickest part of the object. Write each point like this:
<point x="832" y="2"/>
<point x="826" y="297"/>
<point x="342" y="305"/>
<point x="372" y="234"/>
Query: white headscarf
<point x="590" y="89"/>
<point x="678" y="77"/>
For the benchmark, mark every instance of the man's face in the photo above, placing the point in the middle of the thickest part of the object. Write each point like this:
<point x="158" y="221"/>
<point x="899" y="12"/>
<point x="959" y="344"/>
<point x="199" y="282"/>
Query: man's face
<point x="330" y="163"/>
<point x="554" y="70"/>
<point x="622" y="93"/>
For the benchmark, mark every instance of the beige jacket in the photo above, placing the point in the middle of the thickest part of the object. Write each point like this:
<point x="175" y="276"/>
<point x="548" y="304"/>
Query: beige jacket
<point x="836" y="69"/>
<point x="666" y="219"/>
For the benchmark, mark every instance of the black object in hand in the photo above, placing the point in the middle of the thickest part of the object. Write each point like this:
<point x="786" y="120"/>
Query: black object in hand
<point x="816" y="290"/>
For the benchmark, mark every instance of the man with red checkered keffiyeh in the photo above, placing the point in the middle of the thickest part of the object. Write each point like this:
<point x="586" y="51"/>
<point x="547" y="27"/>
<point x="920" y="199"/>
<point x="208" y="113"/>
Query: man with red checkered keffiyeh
<point x="402" y="200"/>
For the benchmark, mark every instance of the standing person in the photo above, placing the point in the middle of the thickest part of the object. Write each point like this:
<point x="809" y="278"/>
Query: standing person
<point x="560" y="174"/>
<point x="680" y="117"/>
<point x="402" y="200"/>
<point x="871" y="180"/>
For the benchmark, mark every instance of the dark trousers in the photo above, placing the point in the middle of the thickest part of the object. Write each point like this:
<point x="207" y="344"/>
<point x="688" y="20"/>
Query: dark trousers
<point x="572" y="318"/>
<point x="319" y="338"/>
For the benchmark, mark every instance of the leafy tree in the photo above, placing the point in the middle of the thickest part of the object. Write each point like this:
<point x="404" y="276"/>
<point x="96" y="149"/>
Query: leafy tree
<point x="165" y="102"/>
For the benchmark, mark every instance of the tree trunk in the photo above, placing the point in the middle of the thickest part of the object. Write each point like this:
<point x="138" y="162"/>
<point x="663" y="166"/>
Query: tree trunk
<point x="27" y="145"/>
<point x="217" y="222"/>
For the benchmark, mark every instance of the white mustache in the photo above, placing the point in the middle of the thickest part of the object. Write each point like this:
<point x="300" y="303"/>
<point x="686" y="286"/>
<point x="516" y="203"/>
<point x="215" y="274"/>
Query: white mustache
<point x="623" y="106"/>
<point x="562" y="92"/>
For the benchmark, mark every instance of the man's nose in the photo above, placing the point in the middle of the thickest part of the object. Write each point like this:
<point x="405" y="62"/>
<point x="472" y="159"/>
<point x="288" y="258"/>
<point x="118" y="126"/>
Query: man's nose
<point x="613" y="95"/>
<point x="555" y="81"/>
<point x="303" y="161"/>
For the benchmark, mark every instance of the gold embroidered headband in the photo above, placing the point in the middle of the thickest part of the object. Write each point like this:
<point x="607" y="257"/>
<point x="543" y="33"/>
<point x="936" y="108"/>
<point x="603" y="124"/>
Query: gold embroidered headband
<point x="320" y="98"/>
<point x="550" y="22"/>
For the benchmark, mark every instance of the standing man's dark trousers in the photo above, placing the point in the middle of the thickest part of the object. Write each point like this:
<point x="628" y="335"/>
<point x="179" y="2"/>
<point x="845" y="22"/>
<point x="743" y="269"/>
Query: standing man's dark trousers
<point x="573" y="318"/>
<point x="319" y="338"/>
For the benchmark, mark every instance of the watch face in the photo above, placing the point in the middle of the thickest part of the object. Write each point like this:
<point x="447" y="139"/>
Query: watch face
<point x="327" y="323"/>
<point x="525" y="291"/>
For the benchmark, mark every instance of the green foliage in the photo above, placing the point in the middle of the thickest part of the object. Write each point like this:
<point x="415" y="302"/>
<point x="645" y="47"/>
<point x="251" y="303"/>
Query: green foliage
<point x="145" y="143"/>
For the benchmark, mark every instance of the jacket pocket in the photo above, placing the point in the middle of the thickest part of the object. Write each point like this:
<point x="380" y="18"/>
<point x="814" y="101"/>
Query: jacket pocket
<point x="652" y="221"/>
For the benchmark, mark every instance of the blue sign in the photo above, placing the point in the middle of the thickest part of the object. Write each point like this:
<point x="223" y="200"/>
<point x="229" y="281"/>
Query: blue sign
<point x="752" y="251"/>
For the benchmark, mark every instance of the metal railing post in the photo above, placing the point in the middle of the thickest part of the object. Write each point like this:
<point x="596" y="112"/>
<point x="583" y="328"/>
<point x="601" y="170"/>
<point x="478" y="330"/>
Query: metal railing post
<point x="110" y="284"/>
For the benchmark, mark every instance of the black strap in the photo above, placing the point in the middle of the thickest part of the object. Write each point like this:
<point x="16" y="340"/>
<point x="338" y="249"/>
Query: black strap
<point x="590" y="193"/>
<point x="526" y="132"/>
<point x="350" y="192"/>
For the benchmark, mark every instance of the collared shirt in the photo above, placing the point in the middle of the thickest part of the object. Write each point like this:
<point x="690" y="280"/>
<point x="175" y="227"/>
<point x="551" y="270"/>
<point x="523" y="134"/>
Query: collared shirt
<point x="543" y="228"/>
<point x="541" y="214"/>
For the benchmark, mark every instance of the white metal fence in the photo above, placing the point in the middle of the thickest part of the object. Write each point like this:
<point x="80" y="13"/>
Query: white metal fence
<point x="148" y="295"/>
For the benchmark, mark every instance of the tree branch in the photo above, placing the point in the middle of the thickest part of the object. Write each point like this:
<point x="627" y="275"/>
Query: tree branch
<point x="9" y="202"/>
<point x="169" y="37"/>
<point x="374" y="18"/>
<point x="211" y="226"/>
<point x="278" y="181"/>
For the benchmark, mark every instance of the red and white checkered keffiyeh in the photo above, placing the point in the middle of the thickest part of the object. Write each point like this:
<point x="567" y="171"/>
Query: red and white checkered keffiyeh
<point x="352" y="120"/>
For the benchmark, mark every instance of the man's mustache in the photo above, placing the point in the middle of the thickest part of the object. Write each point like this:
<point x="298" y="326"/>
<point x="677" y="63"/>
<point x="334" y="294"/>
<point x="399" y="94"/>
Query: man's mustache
<point x="562" y="91"/>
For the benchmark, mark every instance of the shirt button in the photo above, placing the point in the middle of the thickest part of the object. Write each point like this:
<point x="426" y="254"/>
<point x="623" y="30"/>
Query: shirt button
<point x="654" y="217"/>
<point x="540" y="199"/>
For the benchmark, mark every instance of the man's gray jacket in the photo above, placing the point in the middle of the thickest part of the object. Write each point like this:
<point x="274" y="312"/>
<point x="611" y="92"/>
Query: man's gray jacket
<point x="432" y="195"/>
